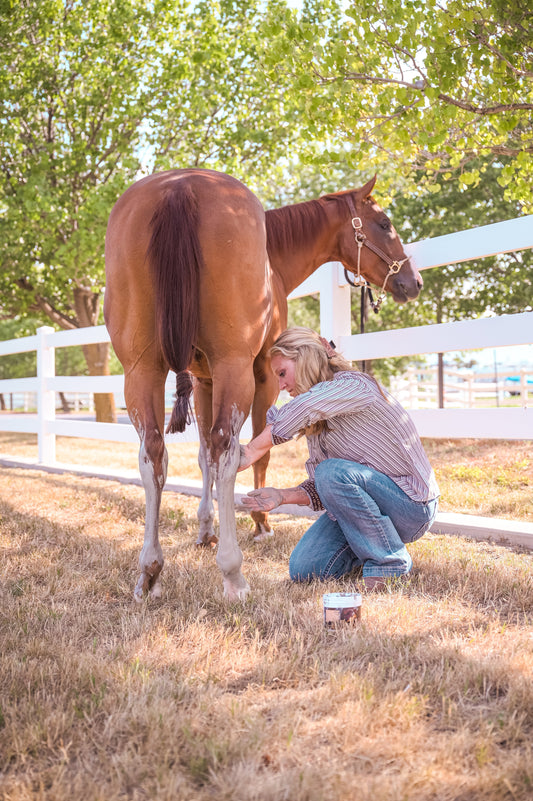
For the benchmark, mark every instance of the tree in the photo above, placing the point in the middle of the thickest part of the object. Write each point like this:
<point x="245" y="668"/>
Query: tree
<point x="68" y="130"/>
<point x="92" y="95"/>
<point x="429" y="87"/>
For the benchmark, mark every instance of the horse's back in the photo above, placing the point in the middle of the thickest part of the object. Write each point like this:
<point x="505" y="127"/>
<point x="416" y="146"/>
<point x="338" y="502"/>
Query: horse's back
<point x="227" y="209"/>
<point x="234" y="291"/>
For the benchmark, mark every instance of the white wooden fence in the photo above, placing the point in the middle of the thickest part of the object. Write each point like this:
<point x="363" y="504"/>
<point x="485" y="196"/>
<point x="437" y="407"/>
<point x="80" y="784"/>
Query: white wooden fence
<point x="335" y="323"/>
<point x="485" y="332"/>
<point x="418" y="388"/>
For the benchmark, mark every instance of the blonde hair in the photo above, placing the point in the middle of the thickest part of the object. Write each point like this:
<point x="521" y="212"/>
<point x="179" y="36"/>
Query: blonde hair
<point x="312" y="364"/>
<point x="307" y="350"/>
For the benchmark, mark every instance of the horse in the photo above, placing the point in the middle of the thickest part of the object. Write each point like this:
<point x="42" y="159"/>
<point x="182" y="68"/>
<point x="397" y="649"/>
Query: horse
<point x="197" y="279"/>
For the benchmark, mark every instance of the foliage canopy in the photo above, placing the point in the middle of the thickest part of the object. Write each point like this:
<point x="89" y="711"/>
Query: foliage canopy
<point x="429" y="87"/>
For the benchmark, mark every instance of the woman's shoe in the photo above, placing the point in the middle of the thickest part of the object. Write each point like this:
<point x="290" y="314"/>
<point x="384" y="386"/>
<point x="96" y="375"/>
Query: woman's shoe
<point x="382" y="583"/>
<point x="375" y="583"/>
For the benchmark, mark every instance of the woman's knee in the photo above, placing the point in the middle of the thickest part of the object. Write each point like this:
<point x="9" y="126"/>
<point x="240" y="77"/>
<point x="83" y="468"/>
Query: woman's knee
<point x="300" y="569"/>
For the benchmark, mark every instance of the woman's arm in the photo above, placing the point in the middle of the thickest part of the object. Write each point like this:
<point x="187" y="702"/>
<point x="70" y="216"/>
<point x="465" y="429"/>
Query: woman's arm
<point x="268" y="498"/>
<point x="256" y="448"/>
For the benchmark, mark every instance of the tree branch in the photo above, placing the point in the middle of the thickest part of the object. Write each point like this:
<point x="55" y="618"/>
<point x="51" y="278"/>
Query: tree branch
<point x="43" y="305"/>
<point x="485" y="110"/>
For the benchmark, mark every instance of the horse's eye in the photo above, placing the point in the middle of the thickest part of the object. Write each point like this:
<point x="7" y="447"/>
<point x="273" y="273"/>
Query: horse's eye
<point x="385" y="224"/>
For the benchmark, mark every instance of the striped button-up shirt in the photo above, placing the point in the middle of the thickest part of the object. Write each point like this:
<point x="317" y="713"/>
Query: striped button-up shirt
<point x="364" y="426"/>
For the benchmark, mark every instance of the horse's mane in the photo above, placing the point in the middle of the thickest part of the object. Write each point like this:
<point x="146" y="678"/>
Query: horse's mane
<point x="292" y="226"/>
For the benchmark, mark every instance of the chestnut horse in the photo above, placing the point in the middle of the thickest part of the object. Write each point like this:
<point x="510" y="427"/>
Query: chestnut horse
<point x="197" y="282"/>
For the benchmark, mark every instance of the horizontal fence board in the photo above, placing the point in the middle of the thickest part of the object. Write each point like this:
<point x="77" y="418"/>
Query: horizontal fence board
<point x="86" y="383"/>
<point x="22" y="423"/>
<point x="512" y="532"/>
<point x="485" y="332"/>
<point x="474" y="423"/>
<point x="115" y="432"/>
<point x="476" y="243"/>
<point x="78" y="336"/>
<point x="22" y="345"/>
<point x="8" y="385"/>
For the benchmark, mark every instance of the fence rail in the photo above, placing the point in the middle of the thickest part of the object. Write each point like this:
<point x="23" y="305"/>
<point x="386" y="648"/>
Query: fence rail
<point x="335" y="322"/>
<point x="418" y="388"/>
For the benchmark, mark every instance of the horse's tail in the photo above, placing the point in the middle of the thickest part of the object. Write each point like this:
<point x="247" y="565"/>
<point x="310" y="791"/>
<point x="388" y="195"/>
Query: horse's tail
<point x="176" y="261"/>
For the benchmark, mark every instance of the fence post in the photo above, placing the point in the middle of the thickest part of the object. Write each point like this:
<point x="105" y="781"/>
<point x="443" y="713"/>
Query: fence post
<point x="413" y="387"/>
<point x="523" y="386"/>
<point x="335" y="306"/>
<point x="471" y="402"/>
<point x="46" y="399"/>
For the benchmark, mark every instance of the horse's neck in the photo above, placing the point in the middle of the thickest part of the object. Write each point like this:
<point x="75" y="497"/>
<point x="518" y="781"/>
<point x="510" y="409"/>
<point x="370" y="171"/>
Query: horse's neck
<point x="293" y="267"/>
<point x="295" y="257"/>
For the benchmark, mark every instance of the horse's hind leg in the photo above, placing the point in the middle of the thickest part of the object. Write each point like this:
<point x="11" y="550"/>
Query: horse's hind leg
<point x="203" y="400"/>
<point x="146" y="406"/>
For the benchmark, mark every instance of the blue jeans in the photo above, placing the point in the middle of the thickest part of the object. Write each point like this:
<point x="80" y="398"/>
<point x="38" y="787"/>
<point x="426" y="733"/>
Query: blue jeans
<point x="374" y="519"/>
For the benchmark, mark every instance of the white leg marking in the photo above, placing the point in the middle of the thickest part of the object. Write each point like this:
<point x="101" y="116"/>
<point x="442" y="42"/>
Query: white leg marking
<point x="206" y="509"/>
<point x="151" y="556"/>
<point x="229" y="555"/>
<point x="264" y="533"/>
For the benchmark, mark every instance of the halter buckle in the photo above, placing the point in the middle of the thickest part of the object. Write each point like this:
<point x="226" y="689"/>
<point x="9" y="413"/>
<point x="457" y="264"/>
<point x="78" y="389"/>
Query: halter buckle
<point x="357" y="223"/>
<point x="396" y="266"/>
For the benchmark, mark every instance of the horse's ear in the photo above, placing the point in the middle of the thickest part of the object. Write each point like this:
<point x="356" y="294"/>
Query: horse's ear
<point x="366" y="190"/>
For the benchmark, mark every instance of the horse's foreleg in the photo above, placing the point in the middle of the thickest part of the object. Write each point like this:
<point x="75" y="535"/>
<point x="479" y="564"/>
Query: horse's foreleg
<point x="263" y="529"/>
<point x="229" y="555"/>
<point x="206" y="509"/>
<point x="266" y="392"/>
<point x="153" y="463"/>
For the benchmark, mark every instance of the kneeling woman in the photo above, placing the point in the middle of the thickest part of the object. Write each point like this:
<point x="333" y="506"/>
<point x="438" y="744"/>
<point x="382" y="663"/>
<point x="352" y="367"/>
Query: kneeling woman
<point x="367" y="467"/>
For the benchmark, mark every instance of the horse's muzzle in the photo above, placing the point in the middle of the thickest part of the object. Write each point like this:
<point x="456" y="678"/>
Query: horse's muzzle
<point x="406" y="287"/>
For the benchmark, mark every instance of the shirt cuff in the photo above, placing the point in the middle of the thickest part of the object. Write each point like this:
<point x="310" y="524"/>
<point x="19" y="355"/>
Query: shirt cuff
<point x="309" y="488"/>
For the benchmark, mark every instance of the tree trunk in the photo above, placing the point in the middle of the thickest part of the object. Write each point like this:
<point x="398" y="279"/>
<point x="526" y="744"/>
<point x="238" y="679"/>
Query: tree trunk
<point x="65" y="406"/>
<point x="87" y="306"/>
<point x="97" y="358"/>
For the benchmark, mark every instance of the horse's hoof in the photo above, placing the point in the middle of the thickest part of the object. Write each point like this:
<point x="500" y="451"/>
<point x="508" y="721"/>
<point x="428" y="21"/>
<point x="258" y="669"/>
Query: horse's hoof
<point x="148" y="583"/>
<point x="263" y="533"/>
<point x="207" y="541"/>
<point x="236" y="591"/>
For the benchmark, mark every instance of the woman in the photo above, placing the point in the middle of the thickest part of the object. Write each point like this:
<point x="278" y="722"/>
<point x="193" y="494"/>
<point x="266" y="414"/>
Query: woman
<point x="367" y="467"/>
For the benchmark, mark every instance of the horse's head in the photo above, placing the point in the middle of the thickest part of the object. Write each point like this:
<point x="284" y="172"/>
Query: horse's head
<point x="371" y="249"/>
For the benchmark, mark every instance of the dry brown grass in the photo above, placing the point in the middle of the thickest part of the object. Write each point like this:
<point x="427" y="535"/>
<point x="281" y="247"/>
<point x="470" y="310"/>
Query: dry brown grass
<point x="483" y="477"/>
<point x="430" y="698"/>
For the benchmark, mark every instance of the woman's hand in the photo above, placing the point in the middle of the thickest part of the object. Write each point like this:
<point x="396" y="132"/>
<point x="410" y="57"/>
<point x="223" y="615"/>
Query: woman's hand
<point x="262" y="500"/>
<point x="255" y="449"/>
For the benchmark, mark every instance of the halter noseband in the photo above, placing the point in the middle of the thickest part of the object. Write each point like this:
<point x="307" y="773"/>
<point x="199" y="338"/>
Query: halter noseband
<point x="360" y="240"/>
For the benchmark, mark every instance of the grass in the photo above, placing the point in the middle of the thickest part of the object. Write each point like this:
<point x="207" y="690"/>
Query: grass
<point x="430" y="698"/>
<point x="491" y="478"/>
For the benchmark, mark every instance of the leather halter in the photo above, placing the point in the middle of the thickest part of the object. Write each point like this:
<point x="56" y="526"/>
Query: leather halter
<point x="361" y="239"/>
